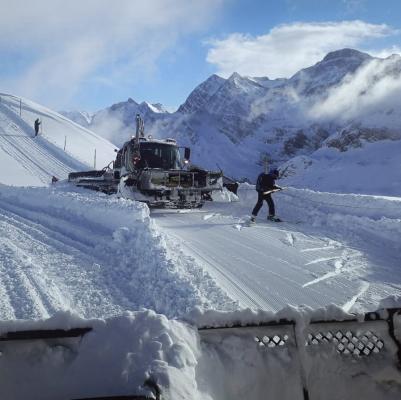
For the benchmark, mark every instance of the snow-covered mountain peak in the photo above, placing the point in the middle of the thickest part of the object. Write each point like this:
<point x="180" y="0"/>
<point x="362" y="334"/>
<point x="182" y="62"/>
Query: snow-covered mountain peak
<point x="201" y="94"/>
<point x="156" y="108"/>
<point x="346" y="54"/>
<point x="82" y="118"/>
<point x="244" y="83"/>
<point x="316" y="79"/>
<point x="124" y="104"/>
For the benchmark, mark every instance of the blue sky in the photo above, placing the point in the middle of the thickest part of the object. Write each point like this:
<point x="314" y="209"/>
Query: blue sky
<point x="89" y="55"/>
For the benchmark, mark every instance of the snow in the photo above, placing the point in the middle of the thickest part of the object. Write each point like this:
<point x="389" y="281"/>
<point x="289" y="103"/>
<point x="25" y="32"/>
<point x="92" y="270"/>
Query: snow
<point x="36" y="159"/>
<point x="94" y="254"/>
<point x="146" y="280"/>
<point x="375" y="168"/>
<point x="335" y="248"/>
<point x="207" y="364"/>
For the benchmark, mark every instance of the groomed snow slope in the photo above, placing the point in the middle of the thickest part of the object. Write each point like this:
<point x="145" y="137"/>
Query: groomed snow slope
<point x="341" y="249"/>
<point x="28" y="160"/>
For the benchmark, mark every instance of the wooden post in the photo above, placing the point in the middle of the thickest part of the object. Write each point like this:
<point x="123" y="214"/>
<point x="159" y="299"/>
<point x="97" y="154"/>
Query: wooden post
<point x="65" y="142"/>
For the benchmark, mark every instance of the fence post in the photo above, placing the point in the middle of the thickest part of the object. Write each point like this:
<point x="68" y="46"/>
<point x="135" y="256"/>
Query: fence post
<point x="65" y="142"/>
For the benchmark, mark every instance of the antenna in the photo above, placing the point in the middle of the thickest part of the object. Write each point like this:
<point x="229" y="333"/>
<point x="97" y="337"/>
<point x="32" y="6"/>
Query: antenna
<point x="140" y="129"/>
<point x="266" y="164"/>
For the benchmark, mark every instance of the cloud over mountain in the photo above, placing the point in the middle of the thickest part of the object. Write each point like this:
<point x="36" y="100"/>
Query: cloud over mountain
<point x="288" y="48"/>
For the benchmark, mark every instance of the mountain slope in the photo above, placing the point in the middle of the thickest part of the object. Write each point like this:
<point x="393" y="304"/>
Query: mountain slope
<point x="347" y="103"/>
<point x="29" y="160"/>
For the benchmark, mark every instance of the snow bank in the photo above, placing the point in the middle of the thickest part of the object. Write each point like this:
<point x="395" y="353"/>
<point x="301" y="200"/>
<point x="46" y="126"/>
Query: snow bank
<point x="376" y="219"/>
<point x="116" y="358"/>
<point x="372" y="169"/>
<point x="278" y="360"/>
<point x="128" y="261"/>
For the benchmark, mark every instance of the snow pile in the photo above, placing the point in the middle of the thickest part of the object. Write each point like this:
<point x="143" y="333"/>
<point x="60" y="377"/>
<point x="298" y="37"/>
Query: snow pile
<point x="224" y="196"/>
<point x="209" y="364"/>
<point x="373" y="218"/>
<point x="376" y="219"/>
<point x="373" y="168"/>
<point x="116" y="358"/>
<point x="117" y="259"/>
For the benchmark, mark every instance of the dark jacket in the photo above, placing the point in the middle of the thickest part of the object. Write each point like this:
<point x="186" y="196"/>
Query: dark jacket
<point x="266" y="182"/>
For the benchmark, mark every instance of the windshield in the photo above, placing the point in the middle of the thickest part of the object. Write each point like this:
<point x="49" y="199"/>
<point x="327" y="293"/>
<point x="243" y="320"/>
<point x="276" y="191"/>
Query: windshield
<point x="159" y="155"/>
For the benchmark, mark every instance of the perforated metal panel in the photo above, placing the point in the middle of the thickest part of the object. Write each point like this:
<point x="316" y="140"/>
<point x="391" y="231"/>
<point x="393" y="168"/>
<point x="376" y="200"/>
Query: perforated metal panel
<point x="271" y="341"/>
<point x="348" y="342"/>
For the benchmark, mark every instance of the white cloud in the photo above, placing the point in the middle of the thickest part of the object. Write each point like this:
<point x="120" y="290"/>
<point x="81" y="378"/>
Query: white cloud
<point x="288" y="48"/>
<point x="386" y="52"/>
<point x="64" y="43"/>
<point x="371" y="93"/>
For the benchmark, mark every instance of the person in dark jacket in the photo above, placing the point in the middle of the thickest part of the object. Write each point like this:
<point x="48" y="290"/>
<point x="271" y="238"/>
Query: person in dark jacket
<point x="37" y="124"/>
<point x="265" y="184"/>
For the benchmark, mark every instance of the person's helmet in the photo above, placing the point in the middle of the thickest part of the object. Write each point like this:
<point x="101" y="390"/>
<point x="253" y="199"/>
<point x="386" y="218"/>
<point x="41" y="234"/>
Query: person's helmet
<point x="275" y="172"/>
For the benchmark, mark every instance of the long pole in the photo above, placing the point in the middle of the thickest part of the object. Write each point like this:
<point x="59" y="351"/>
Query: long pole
<point x="65" y="142"/>
<point x="94" y="160"/>
<point x="266" y="162"/>
<point x="20" y="107"/>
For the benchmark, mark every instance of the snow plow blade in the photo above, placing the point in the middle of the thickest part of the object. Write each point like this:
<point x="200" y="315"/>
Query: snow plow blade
<point x="98" y="180"/>
<point x="349" y="360"/>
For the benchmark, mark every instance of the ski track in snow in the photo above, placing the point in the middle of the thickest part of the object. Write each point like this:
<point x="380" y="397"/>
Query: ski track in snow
<point x="45" y="270"/>
<point x="269" y="266"/>
<point x="35" y="154"/>
<point x="255" y="277"/>
<point x="31" y="156"/>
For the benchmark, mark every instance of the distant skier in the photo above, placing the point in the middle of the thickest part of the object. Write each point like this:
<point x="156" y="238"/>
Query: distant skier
<point x="37" y="124"/>
<point x="265" y="185"/>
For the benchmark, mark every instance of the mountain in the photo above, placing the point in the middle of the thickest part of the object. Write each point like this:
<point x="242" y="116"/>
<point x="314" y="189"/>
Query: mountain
<point x="60" y="147"/>
<point x="82" y="118"/>
<point x="349" y="100"/>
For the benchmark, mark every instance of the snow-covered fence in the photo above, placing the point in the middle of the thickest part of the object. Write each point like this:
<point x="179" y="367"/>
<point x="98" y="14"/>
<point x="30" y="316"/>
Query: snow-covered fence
<point x="293" y="355"/>
<point x="296" y="359"/>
